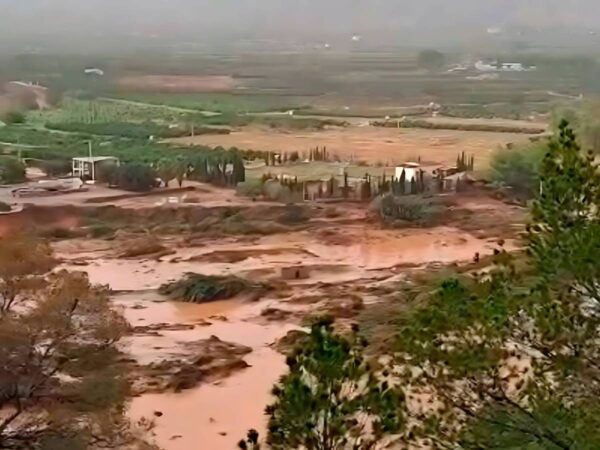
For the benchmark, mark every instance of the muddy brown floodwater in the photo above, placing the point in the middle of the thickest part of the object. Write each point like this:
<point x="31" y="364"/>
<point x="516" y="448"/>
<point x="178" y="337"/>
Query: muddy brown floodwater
<point x="338" y="255"/>
<point x="215" y="415"/>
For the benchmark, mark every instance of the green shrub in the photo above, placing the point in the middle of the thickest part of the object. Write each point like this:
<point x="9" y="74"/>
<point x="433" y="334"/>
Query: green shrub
<point x="100" y="231"/>
<point x="196" y="288"/>
<point x="250" y="188"/>
<point x="14" y="117"/>
<point x="5" y="207"/>
<point x="55" y="167"/>
<point x="107" y="172"/>
<point x="394" y="209"/>
<point x="135" y="177"/>
<point x="518" y="167"/>
<point x="60" y="233"/>
<point x="12" y="171"/>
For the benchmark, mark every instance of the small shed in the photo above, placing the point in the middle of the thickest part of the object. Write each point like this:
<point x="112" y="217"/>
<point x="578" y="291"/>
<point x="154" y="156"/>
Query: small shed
<point x="457" y="182"/>
<point x="295" y="273"/>
<point x="87" y="167"/>
<point x="445" y="171"/>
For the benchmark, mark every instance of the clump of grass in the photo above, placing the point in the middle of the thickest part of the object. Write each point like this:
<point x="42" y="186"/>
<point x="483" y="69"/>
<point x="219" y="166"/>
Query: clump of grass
<point x="413" y="210"/>
<point x="100" y="231"/>
<point x="197" y="288"/>
<point x="60" y="233"/>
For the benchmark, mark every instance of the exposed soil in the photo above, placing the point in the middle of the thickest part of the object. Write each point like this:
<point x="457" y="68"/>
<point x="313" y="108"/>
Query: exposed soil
<point x="370" y="144"/>
<point x="203" y="361"/>
<point x="176" y="83"/>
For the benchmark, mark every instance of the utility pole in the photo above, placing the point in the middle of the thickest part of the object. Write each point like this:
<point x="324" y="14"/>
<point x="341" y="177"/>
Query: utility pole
<point x="92" y="161"/>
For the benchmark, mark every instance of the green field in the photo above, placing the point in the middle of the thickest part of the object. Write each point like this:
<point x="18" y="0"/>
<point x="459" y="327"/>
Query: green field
<point x="73" y="110"/>
<point x="108" y="117"/>
<point x="221" y="103"/>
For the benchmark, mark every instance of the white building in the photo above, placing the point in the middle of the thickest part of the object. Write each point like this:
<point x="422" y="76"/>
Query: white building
<point x="410" y="170"/>
<point x="87" y="167"/>
<point x="512" y="67"/>
<point x="504" y="67"/>
<point x="486" y="67"/>
<point x="94" y="71"/>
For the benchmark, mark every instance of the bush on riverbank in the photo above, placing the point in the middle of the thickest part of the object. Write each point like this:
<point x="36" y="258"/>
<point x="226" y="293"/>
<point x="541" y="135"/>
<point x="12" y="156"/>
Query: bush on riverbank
<point x="518" y="168"/>
<point x="197" y="288"/>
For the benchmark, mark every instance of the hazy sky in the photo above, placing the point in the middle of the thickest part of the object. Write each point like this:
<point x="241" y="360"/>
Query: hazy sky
<point x="27" y="18"/>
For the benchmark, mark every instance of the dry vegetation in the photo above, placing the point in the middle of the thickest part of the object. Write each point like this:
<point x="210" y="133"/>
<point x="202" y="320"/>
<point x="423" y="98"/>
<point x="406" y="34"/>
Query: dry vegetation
<point x="370" y="144"/>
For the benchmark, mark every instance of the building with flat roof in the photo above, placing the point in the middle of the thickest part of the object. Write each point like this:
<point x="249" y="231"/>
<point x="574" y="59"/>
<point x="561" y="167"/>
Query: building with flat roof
<point x="87" y="167"/>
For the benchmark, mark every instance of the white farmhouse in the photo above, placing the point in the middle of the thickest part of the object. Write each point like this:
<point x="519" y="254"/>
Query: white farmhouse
<point x="410" y="170"/>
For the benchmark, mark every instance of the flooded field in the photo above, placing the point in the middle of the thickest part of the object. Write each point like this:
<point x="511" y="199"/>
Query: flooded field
<point x="354" y="252"/>
<point x="344" y="258"/>
<point x="219" y="413"/>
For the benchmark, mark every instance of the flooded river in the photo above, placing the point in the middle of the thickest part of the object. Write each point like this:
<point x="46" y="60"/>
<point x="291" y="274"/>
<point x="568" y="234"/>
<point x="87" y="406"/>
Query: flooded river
<point x="216" y="415"/>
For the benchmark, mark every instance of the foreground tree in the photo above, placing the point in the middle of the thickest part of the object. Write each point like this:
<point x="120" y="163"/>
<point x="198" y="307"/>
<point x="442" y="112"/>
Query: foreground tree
<point x="251" y="441"/>
<point x="56" y="378"/>
<point x="331" y="399"/>
<point x="585" y="119"/>
<point x="60" y="382"/>
<point x="509" y="358"/>
<point x="22" y="261"/>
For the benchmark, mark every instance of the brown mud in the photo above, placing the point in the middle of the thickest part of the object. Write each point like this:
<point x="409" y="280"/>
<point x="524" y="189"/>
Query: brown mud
<point x="203" y="373"/>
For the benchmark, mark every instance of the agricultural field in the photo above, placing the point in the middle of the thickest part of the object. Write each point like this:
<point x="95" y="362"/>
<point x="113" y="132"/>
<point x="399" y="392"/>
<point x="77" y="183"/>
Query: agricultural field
<point x="381" y="146"/>
<point x="339" y="82"/>
<point x="218" y="102"/>
<point x="129" y="118"/>
<point x="52" y="145"/>
<point x="72" y="110"/>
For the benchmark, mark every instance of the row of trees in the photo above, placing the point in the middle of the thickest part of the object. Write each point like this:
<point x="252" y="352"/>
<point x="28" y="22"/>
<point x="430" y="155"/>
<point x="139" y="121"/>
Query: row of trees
<point x="465" y="163"/>
<point x="219" y="168"/>
<point x="273" y="159"/>
<point x="502" y="359"/>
